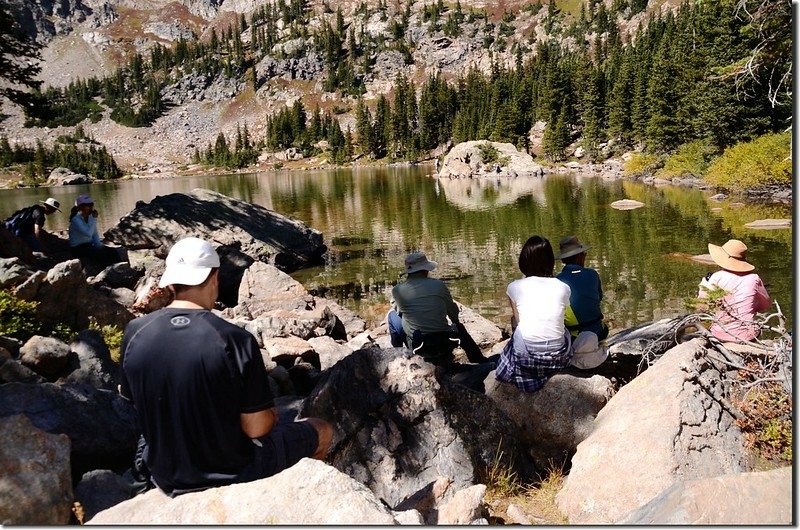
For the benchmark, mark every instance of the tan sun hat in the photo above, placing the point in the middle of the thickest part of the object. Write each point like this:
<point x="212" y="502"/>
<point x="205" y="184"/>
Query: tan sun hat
<point x="731" y="256"/>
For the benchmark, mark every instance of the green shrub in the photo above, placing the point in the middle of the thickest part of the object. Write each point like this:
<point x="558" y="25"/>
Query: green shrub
<point x="112" y="336"/>
<point x="640" y="164"/>
<point x="18" y="318"/>
<point x="489" y="153"/>
<point x="764" y="161"/>
<point x="691" y="159"/>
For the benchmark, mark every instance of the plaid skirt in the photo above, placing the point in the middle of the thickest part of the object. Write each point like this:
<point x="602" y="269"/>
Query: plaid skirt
<point x="529" y="364"/>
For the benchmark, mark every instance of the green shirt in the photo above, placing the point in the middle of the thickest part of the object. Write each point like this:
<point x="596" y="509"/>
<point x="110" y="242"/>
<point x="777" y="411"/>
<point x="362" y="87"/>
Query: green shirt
<point x="424" y="304"/>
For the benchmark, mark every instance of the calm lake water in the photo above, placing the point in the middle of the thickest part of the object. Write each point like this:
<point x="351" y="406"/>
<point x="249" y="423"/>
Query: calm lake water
<point x="371" y="218"/>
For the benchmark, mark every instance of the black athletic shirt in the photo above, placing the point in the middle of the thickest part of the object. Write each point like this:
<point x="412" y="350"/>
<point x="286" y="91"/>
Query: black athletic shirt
<point x="190" y="374"/>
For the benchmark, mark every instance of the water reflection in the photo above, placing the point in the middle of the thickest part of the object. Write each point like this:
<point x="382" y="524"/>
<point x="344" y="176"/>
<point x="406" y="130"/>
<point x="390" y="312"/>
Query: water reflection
<point x="484" y="194"/>
<point x="372" y="217"/>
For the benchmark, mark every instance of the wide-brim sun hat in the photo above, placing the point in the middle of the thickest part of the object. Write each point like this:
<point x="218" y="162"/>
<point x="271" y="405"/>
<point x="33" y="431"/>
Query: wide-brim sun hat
<point x="731" y="256"/>
<point x="570" y="246"/>
<point x="51" y="202"/>
<point x="189" y="262"/>
<point x="417" y="261"/>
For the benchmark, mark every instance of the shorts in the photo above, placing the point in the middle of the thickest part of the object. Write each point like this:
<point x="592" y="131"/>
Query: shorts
<point x="284" y="446"/>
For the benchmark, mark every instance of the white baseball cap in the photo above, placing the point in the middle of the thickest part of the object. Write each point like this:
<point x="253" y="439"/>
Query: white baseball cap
<point x="189" y="262"/>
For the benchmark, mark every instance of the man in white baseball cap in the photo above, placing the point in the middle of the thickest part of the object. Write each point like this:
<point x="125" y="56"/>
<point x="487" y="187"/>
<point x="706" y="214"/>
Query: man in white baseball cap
<point x="201" y="390"/>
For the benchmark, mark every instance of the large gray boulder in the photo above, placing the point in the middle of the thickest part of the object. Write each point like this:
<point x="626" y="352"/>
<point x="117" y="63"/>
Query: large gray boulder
<point x="483" y="331"/>
<point x="100" y="424"/>
<point x="466" y="160"/>
<point x="44" y="355"/>
<point x="308" y="493"/>
<point x="555" y="419"/>
<point x="65" y="297"/>
<point x="35" y="479"/>
<point x="258" y="233"/>
<point x="62" y="176"/>
<point x="92" y="362"/>
<point x="13" y="272"/>
<point x="759" y="498"/>
<point x="398" y="428"/>
<point x="668" y="425"/>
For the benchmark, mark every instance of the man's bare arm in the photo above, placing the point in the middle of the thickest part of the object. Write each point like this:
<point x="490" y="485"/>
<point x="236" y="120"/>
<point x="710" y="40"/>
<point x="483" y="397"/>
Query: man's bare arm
<point x="257" y="424"/>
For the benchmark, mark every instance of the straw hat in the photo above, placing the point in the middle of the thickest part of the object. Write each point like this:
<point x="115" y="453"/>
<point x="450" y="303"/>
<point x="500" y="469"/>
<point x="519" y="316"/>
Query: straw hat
<point x="731" y="256"/>
<point x="569" y="246"/>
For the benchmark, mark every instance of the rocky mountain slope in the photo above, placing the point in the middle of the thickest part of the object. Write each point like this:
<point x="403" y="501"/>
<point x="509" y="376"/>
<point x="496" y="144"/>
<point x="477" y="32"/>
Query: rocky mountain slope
<point x="89" y="38"/>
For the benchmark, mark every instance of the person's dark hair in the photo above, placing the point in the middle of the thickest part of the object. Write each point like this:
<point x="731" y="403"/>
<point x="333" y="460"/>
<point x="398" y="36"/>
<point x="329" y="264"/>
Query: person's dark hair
<point x="571" y="259"/>
<point x="73" y="212"/>
<point x="536" y="257"/>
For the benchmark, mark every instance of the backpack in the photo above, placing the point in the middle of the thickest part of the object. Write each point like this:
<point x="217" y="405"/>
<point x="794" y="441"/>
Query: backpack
<point x="21" y="220"/>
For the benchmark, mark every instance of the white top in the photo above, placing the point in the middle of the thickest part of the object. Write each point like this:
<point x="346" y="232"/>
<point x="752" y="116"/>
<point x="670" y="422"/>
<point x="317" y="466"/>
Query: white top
<point x="541" y="304"/>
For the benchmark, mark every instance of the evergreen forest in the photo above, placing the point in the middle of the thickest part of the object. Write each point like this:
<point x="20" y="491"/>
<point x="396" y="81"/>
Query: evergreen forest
<point x="677" y="84"/>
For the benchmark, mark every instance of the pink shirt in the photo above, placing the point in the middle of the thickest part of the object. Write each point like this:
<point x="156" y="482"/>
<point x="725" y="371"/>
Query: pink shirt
<point x="746" y="297"/>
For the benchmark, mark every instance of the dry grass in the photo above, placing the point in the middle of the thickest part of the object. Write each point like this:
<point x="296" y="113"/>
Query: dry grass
<point x="537" y="502"/>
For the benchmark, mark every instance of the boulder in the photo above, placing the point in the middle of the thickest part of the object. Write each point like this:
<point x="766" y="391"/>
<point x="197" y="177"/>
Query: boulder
<point x="759" y="498"/>
<point x="44" y="355"/>
<point x="466" y="507"/>
<point x="36" y="484"/>
<point x="62" y="176"/>
<point x="398" y="428"/>
<point x="64" y="286"/>
<point x="286" y="350"/>
<point x="466" y="160"/>
<point x="13" y="272"/>
<point x="100" y="424"/>
<point x="555" y="419"/>
<point x="668" y="425"/>
<point x="119" y="275"/>
<point x="653" y="338"/>
<point x="264" y="289"/>
<point x="282" y="323"/>
<point x="627" y="204"/>
<point x="769" y="224"/>
<point x="329" y="351"/>
<point x="352" y="323"/>
<point x="28" y="289"/>
<point x="257" y="232"/>
<point x="101" y="489"/>
<point x="13" y="371"/>
<point x="308" y="493"/>
<point x="483" y="331"/>
<point x="92" y="362"/>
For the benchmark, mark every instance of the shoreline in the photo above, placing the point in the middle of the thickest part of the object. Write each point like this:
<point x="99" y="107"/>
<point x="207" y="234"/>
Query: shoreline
<point x="610" y="170"/>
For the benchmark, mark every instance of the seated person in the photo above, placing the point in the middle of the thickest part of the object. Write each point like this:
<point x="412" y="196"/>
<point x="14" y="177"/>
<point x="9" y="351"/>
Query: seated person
<point x="585" y="288"/>
<point x="540" y="345"/>
<point x="423" y="306"/>
<point x="84" y="241"/>
<point x="201" y="390"/>
<point x="746" y="293"/>
<point x="28" y="225"/>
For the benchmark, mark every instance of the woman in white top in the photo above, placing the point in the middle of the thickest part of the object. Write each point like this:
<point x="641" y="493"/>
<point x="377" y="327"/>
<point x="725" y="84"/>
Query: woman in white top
<point x="540" y="345"/>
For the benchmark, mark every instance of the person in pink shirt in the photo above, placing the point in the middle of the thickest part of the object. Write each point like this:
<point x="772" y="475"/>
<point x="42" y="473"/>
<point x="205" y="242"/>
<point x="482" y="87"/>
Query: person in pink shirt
<point x="746" y="292"/>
